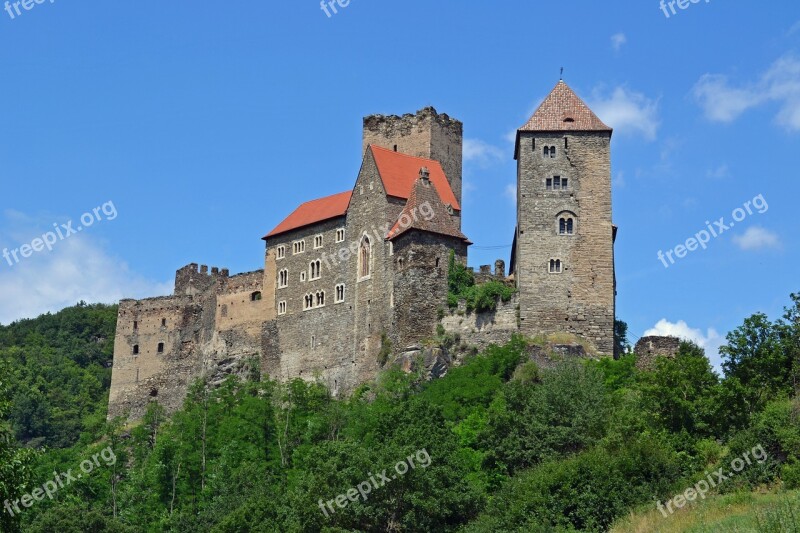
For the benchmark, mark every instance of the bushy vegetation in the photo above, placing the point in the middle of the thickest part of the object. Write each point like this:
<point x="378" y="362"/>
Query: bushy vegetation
<point x="59" y="373"/>
<point x="480" y="297"/>
<point x="513" y="447"/>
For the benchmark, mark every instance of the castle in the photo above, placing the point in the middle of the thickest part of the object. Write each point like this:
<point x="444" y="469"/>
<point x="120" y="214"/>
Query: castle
<point x="348" y="276"/>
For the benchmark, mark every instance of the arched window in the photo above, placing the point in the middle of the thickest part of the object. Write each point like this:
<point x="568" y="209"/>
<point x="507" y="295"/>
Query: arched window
<point x="555" y="266"/>
<point x="320" y="298"/>
<point x="364" y="258"/>
<point x="565" y="223"/>
<point x="283" y="279"/>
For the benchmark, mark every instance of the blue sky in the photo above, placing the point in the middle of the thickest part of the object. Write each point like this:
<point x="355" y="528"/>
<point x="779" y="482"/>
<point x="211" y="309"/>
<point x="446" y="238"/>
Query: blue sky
<point x="206" y="123"/>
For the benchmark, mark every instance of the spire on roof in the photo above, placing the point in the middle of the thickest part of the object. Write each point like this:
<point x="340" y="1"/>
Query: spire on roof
<point x="563" y="110"/>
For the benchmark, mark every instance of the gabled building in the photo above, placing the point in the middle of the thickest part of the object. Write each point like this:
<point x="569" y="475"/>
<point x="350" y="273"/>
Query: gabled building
<point x="350" y="277"/>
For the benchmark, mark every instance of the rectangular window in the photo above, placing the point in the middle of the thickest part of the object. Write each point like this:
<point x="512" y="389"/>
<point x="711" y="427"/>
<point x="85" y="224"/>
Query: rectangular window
<point x="160" y="347"/>
<point x="549" y="184"/>
<point x="317" y="242"/>
<point x="340" y="235"/>
<point x="280" y="252"/>
<point x="281" y="308"/>
<point x="563" y="183"/>
<point x="556" y="183"/>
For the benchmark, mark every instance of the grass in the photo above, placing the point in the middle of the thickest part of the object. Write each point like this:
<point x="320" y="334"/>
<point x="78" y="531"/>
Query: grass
<point x="731" y="513"/>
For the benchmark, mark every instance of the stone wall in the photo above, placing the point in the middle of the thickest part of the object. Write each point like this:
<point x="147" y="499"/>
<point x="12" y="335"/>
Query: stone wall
<point x="485" y="328"/>
<point x="420" y="284"/>
<point x="580" y="299"/>
<point x="647" y="349"/>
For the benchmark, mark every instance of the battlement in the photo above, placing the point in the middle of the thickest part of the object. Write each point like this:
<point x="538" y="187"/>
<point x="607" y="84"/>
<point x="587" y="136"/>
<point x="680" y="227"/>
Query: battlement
<point x="193" y="278"/>
<point x="485" y="273"/>
<point x="387" y="124"/>
<point x="427" y="134"/>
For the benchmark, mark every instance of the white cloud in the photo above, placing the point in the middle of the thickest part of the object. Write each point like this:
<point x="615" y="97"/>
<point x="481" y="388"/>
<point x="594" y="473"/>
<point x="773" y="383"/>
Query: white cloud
<point x="626" y="111"/>
<point x="482" y="153"/>
<point x="617" y="40"/>
<point x="78" y="268"/>
<point x="757" y="238"/>
<point x="719" y="172"/>
<point x="710" y="341"/>
<point x="724" y="102"/>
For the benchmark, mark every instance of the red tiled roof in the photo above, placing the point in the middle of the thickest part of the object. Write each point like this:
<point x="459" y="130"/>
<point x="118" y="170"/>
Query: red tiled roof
<point x="561" y="105"/>
<point x="413" y="216"/>
<point x="313" y="212"/>
<point x="400" y="171"/>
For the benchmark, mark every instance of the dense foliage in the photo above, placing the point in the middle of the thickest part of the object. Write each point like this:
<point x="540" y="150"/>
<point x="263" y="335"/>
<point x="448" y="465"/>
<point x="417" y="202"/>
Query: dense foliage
<point x="60" y="373"/>
<point x="477" y="297"/>
<point x="511" y="446"/>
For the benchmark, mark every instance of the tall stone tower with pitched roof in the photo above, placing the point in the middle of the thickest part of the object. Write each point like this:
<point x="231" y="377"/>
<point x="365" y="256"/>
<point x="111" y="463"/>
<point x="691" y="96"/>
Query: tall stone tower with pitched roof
<point x="563" y="255"/>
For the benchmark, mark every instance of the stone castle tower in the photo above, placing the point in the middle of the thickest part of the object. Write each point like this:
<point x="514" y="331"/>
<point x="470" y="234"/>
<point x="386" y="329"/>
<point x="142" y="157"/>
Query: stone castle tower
<point x="563" y="254"/>
<point x="350" y="276"/>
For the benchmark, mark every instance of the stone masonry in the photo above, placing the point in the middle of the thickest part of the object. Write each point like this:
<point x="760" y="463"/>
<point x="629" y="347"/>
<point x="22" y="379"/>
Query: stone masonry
<point x="352" y="275"/>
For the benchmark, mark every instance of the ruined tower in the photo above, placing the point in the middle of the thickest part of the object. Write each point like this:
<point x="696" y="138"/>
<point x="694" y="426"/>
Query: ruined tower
<point x="425" y="134"/>
<point x="564" y="243"/>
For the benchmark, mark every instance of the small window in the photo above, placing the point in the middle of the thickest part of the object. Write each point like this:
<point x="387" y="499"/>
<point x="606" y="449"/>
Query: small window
<point x="317" y="242"/>
<point x="163" y="322"/>
<point x="556" y="183"/>
<point x="280" y="251"/>
<point x="308" y="302"/>
<point x="555" y="266"/>
<point x="135" y="325"/>
<point x="315" y="268"/>
<point x="255" y="296"/>
<point x="160" y="347"/>
<point x="549" y="152"/>
<point x="135" y="349"/>
<point x="281" y="308"/>
<point x="340" y="235"/>
<point x="340" y="293"/>
<point x="320" y="298"/>
<point x="437" y="262"/>
<point x="298" y="247"/>
<point x="313" y="341"/>
<point x="570" y="226"/>
<point x="283" y="279"/>
<point x="549" y="184"/>
<point x="303" y="276"/>
<point x="569" y="120"/>
<point x="563" y="183"/>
